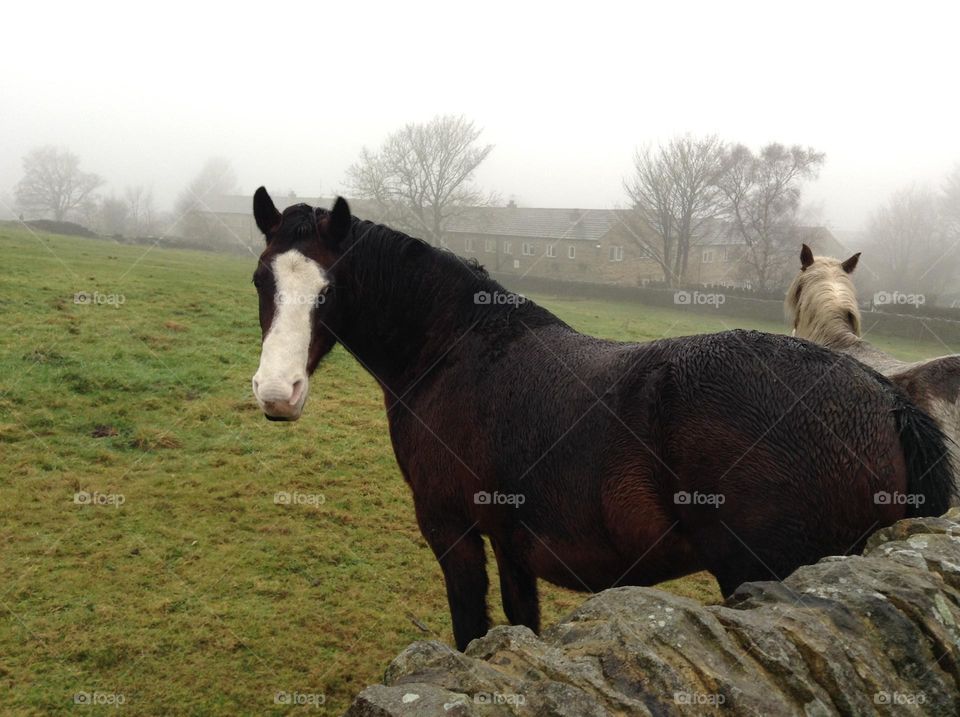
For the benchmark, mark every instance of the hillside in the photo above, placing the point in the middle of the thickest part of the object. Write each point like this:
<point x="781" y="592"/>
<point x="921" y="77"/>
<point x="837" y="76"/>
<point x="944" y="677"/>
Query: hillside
<point x="147" y="553"/>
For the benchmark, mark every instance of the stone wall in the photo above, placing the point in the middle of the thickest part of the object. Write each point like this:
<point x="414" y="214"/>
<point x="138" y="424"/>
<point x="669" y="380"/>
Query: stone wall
<point x="860" y="635"/>
<point x="874" y="322"/>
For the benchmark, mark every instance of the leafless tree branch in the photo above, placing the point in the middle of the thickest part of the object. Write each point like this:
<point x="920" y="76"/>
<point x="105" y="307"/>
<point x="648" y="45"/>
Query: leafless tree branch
<point x="53" y="184"/>
<point x="422" y="175"/>
<point x="673" y="192"/>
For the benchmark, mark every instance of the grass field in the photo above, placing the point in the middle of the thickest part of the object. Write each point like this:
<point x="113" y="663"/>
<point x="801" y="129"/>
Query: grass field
<point x="182" y="587"/>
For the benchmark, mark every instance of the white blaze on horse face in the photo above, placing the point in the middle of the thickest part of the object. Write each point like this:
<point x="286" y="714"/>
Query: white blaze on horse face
<point x="280" y="384"/>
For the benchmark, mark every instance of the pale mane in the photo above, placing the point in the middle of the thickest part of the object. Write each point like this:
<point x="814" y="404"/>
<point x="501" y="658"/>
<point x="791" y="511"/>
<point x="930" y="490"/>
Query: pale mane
<point x="821" y="304"/>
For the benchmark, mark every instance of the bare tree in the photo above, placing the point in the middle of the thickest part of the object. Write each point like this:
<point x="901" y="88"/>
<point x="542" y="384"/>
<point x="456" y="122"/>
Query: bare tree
<point x="110" y="216"/>
<point x="422" y="175"/>
<point x="762" y="199"/>
<point x="141" y="216"/>
<point x="950" y="203"/>
<point x="53" y="184"/>
<point x="673" y="193"/>
<point x="192" y="206"/>
<point x="910" y="243"/>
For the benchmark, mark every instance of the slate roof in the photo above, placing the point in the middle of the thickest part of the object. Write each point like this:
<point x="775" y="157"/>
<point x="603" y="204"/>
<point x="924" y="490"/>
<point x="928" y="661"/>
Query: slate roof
<point x="243" y="203"/>
<point x="527" y="222"/>
<point x="523" y="222"/>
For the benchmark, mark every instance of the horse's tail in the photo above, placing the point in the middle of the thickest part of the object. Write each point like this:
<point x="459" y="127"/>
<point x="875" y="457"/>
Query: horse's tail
<point x="929" y="468"/>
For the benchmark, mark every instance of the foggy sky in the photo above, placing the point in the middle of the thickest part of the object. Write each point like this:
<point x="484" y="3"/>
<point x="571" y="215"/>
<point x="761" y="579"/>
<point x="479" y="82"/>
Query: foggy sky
<point x="291" y="92"/>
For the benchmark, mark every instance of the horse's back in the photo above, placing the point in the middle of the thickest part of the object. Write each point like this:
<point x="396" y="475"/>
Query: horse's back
<point x="937" y="378"/>
<point x="785" y="398"/>
<point x="789" y="443"/>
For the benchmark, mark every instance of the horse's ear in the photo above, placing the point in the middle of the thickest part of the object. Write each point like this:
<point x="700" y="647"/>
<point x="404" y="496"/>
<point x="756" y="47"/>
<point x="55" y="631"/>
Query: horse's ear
<point x="806" y="257"/>
<point x="339" y="220"/>
<point x="850" y="264"/>
<point x="265" y="213"/>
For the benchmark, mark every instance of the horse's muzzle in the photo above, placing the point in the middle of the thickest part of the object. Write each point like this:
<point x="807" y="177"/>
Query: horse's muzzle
<point x="281" y="401"/>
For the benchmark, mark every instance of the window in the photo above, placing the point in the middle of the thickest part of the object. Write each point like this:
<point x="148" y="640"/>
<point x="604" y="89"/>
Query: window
<point x="528" y="248"/>
<point x="571" y="252"/>
<point x="468" y="244"/>
<point x="508" y="247"/>
<point x="616" y="253"/>
<point x="551" y="251"/>
<point x="489" y="246"/>
<point x="646" y="254"/>
<point x="707" y="256"/>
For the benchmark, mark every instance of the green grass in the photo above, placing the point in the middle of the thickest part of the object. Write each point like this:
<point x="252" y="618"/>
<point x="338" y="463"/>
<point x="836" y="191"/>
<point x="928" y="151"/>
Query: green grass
<point x="199" y="594"/>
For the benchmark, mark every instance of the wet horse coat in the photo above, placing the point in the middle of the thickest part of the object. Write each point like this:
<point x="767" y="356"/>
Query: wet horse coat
<point x="592" y="463"/>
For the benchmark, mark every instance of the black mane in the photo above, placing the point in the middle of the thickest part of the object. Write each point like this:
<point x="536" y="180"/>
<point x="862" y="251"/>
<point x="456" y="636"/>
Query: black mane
<point x="396" y="264"/>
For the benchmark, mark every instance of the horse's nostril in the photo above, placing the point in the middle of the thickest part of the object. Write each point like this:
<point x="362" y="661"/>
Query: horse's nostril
<point x="297" y="391"/>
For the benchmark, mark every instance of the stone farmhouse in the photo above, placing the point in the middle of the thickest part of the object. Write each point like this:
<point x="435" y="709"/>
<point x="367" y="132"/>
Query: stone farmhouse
<point x="585" y="245"/>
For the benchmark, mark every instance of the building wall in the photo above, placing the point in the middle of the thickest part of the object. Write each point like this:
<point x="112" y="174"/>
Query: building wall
<point x="606" y="260"/>
<point x="592" y="261"/>
<point x="239" y="226"/>
<point x="715" y="264"/>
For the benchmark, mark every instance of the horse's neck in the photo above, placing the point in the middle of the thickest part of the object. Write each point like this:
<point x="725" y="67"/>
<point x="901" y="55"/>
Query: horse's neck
<point x="398" y="331"/>
<point x="834" y="333"/>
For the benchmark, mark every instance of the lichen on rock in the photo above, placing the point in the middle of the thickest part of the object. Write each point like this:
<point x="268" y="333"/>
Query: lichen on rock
<point x="855" y="635"/>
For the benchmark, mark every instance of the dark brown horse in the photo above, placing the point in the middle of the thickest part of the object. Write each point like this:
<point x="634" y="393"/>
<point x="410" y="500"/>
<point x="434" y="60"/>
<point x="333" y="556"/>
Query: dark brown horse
<point x="587" y="463"/>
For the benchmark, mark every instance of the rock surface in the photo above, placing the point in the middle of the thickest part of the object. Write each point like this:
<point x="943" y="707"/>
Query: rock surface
<point x="861" y="635"/>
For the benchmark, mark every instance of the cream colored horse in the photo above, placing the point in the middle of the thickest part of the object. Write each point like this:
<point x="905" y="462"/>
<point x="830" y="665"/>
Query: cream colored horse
<point x="822" y="305"/>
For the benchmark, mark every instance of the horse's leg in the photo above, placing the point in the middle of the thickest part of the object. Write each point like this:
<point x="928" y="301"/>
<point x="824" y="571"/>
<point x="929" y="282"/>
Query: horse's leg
<point x="463" y="561"/>
<point x="518" y="588"/>
<point x="736" y="553"/>
<point x="730" y="577"/>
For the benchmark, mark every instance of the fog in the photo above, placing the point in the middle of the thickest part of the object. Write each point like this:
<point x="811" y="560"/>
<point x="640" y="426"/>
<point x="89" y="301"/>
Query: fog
<point x="291" y="92"/>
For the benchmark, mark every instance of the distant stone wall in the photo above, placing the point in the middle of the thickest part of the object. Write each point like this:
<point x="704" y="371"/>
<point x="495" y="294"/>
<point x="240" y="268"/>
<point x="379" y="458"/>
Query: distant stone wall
<point x="706" y="302"/>
<point x="911" y="327"/>
<point x="858" y="635"/>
